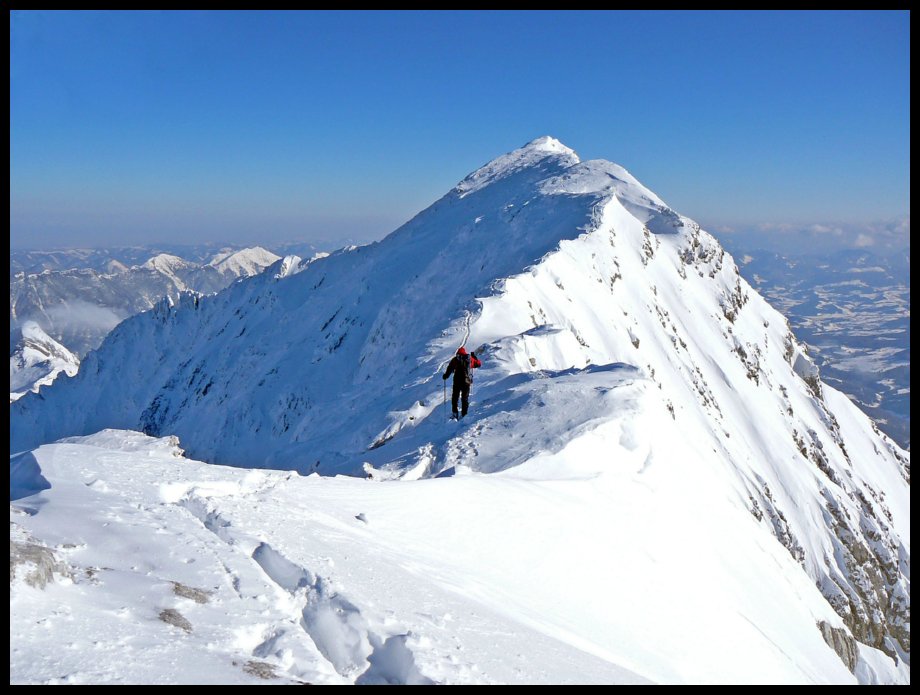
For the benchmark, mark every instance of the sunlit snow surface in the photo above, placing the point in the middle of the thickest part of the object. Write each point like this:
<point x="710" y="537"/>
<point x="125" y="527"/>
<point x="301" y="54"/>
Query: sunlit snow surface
<point x="652" y="483"/>
<point x="36" y="359"/>
<point x="518" y="577"/>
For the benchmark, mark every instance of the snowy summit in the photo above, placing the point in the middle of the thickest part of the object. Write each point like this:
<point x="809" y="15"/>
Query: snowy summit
<point x="653" y="483"/>
<point x="36" y="359"/>
<point x="244" y="262"/>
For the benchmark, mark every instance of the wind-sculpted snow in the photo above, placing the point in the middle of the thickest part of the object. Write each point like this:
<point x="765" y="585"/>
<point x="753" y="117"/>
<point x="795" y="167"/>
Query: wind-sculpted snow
<point x="618" y="339"/>
<point x="155" y="568"/>
<point x="139" y="566"/>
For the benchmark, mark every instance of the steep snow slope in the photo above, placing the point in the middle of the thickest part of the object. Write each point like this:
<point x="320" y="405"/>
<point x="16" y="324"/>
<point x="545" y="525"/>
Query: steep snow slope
<point x="36" y="359"/>
<point x="244" y="262"/>
<point x="166" y="570"/>
<point x="598" y="308"/>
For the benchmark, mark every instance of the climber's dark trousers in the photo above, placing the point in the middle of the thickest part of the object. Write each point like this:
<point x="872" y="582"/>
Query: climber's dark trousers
<point x="461" y="392"/>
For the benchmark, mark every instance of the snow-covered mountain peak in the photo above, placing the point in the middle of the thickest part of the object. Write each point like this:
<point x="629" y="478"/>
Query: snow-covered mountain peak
<point x="113" y="267"/>
<point x="547" y="167"/>
<point x="548" y="143"/>
<point x="31" y="335"/>
<point x="619" y="343"/>
<point x="609" y="180"/>
<point x="167" y="263"/>
<point x="36" y="359"/>
<point x="31" y="331"/>
<point x="289" y="265"/>
<point x="244" y="262"/>
<point x="545" y="155"/>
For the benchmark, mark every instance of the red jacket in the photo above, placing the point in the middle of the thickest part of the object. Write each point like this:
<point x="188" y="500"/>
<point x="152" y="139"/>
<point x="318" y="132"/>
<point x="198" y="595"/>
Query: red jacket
<point x="462" y="366"/>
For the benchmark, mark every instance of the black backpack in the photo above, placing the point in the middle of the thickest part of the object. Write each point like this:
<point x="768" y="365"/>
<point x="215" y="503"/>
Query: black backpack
<point x="463" y="369"/>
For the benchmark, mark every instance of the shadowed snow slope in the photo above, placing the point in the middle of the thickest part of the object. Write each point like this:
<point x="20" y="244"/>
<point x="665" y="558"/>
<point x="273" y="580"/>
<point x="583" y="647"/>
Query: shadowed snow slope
<point x="620" y="345"/>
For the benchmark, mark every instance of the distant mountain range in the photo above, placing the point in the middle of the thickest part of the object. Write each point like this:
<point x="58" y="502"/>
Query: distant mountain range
<point x="75" y="308"/>
<point x="113" y="258"/>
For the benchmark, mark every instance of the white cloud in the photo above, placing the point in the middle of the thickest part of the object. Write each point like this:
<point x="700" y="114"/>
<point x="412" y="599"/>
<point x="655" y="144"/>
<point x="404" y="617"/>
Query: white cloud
<point x="825" y="229"/>
<point x="881" y="236"/>
<point x="78" y="316"/>
<point x="782" y="227"/>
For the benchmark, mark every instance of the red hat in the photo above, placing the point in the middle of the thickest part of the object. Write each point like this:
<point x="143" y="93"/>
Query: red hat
<point x="461" y="350"/>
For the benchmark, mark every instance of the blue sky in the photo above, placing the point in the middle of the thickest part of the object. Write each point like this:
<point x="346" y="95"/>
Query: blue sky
<point x="260" y="127"/>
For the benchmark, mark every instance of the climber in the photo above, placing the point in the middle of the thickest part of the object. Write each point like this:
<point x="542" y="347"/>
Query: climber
<point x="461" y="366"/>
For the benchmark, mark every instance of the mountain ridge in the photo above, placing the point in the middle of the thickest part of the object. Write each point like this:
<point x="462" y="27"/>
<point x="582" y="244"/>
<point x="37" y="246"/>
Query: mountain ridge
<point x="587" y="293"/>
